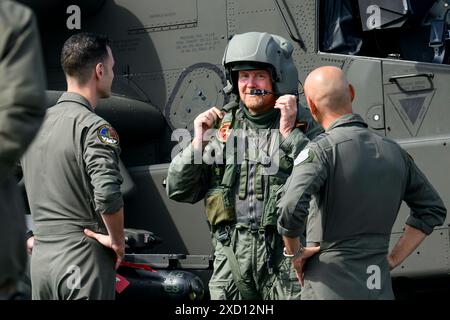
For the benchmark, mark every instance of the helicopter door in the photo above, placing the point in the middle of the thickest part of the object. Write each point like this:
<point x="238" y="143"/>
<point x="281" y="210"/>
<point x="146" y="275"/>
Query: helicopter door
<point x="369" y="99"/>
<point x="415" y="97"/>
<point x="182" y="226"/>
<point x="417" y="113"/>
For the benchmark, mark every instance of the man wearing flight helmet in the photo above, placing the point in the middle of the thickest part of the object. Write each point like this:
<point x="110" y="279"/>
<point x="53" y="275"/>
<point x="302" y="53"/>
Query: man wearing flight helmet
<point x="240" y="196"/>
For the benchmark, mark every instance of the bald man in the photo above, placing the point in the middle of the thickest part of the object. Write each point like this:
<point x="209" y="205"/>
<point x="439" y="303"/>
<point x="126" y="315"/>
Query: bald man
<point x="355" y="181"/>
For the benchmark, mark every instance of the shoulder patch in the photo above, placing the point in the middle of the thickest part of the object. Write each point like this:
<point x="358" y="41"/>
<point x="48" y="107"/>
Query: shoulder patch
<point x="305" y="156"/>
<point x="302" y="125"/>
<point x="107" y="135"/>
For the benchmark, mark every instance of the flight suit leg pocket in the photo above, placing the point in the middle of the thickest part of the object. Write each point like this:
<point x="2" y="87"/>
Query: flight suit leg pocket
<point x="221" y="285"/>
<point x="286" y="284"/>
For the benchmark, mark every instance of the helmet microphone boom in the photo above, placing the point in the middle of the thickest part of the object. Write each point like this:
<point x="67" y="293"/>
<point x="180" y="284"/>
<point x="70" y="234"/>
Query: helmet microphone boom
<point x="260" y="92"/>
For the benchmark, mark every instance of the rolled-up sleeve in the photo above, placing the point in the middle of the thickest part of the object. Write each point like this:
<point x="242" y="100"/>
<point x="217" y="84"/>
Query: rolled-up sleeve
<point x="427" y="207"/>
<point x="306" y="179"/>
<point x="101" y="157"/>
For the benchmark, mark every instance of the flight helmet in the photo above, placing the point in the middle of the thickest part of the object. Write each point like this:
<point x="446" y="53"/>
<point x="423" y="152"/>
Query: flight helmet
<point x="260" y="50"/>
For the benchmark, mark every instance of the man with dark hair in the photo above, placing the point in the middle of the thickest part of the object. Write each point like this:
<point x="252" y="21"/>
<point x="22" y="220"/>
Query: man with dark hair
<point x="81" y="53"/>
<point x="22" y="110"/>
<point x="73" y="183"/>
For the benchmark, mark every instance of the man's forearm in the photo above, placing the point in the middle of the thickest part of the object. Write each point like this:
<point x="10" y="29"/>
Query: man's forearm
<point x="114" y="224"/>
<point x="292" y="245"/>
<point x="409" y="241"/>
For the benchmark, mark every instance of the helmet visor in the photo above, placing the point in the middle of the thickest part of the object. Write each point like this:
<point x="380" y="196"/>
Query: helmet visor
<point x="240" y="66"/>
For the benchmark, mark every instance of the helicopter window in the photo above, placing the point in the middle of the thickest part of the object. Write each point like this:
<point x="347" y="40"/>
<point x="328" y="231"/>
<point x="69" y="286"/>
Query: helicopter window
<point x="400" y="29"/>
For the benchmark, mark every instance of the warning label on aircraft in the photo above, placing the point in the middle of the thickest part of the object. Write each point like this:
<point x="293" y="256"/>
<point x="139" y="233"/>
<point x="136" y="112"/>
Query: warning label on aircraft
<point x="412" y="108"/>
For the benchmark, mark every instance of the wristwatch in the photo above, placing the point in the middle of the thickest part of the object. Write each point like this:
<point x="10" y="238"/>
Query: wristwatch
<point x="297" y="254"/>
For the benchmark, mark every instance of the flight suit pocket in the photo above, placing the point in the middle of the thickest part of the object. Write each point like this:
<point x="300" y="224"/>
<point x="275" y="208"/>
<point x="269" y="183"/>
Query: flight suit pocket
<point x="270" y="208"/>
<point x="219" y="206"/>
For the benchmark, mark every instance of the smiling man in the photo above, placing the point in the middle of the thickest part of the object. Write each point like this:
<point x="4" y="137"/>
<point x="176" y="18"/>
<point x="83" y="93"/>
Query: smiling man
<point x="240" y="196"/>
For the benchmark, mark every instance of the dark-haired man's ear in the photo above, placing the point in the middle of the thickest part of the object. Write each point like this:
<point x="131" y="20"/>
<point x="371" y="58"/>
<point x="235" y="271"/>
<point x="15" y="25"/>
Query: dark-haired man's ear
<point x="99" y="70"/>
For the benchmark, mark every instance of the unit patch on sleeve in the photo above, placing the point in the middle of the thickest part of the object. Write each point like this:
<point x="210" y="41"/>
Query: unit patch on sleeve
<point x="305" y="156"/>
<point x="107" y="135"/>
<point x="302" y="125"/>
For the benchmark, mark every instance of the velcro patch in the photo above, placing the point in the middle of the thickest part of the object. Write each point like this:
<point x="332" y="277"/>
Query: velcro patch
<point x="107" y="135"/>
<point x="302" y="125"/>
<point x="305" y="156"/>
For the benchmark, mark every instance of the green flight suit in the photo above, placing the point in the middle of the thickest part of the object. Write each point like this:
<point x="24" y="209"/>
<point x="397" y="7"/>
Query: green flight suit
<point x="22" y="110"/>
<point x="72" y="177"/>
<point x="248" y="260"/>
<point x="357" y="180"/>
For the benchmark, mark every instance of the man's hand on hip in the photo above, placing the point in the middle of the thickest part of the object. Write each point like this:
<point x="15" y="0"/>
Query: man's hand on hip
<point x="118" y="247"/>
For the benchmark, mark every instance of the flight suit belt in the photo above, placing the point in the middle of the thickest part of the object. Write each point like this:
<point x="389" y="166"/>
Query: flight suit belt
<point x="65" y="227"/>
<point x="250" y="227"/>
<point x="366" y="242"/>
<point x="223" y="233"/>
